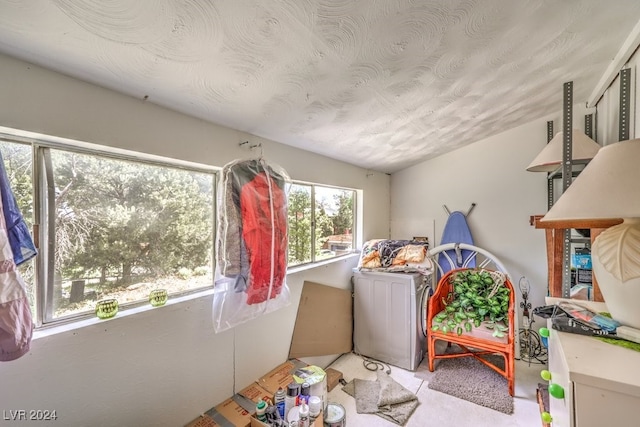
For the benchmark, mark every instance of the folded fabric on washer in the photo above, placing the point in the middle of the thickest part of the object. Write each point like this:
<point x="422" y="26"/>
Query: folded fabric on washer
<point x="396" y="256"/>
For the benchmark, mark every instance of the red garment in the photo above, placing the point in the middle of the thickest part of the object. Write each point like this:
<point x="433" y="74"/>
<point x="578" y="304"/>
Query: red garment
<point x="264" y="230"/>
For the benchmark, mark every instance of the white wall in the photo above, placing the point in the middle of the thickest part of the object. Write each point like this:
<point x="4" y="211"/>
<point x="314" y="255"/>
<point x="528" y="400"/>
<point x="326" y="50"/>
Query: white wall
<point x="608" y="107"/>
<point x="491" y="173"/>
<point x="164" y="366"/>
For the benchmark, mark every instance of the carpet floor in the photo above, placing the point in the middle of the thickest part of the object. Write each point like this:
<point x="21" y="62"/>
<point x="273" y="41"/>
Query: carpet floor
<point x="471" y="380"/>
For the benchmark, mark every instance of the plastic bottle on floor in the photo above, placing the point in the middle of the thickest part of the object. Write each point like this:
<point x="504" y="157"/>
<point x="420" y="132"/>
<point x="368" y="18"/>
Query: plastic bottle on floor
<point x="315" y="407"/>
<point x="305" y="392"/>
<point x="304" y="415"/>
<point x="261" y="407"/>
<point x="291" y="400"/>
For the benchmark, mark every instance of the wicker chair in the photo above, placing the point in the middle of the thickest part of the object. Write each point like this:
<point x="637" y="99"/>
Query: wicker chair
<point x="477" y="343"/>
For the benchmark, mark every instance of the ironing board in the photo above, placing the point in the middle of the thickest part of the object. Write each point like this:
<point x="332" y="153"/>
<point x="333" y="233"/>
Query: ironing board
<point x="456" y="231"/>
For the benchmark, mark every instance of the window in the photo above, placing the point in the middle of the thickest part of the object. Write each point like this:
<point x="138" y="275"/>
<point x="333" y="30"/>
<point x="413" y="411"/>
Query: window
<point x="321" y="222"/>
<point x="123" y="229"/>
<point x="119" y="226"/>
<point x="115" y="227"/>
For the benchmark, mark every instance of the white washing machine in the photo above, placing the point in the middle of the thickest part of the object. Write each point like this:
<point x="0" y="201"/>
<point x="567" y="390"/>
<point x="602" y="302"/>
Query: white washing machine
<point x="388" y="317"/>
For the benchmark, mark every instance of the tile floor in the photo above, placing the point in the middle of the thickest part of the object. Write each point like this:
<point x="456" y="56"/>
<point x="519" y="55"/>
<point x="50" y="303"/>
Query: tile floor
<point x="439" y="409"/>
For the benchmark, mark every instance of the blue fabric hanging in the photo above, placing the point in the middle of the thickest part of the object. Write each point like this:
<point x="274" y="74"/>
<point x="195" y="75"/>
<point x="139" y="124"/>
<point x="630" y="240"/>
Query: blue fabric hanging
<point x="17" y="230"/>
<point x="16" y="323"/>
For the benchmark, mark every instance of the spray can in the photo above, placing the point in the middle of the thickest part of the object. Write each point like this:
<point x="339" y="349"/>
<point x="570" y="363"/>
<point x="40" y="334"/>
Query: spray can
<point x="278" y="400"/>
<point x="291" y="399"/>
<point x="304" y="415"/>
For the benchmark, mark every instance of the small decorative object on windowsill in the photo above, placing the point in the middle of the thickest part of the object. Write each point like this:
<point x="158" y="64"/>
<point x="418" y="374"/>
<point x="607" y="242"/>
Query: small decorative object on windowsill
<point x="158" y="297"/>
<point x="107" y="308"/>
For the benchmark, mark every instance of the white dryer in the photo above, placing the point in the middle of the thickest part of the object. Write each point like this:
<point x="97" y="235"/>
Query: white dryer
<point x="388" y="317"/>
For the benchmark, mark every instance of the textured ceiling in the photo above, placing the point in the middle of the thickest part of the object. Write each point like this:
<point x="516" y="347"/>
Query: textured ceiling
<point x="382" y="84"/>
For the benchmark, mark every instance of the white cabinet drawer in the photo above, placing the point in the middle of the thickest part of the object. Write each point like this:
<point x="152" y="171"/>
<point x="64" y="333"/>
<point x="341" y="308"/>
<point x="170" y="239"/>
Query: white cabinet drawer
<point x="595" y="407"/>
<point x="560" y="409"/>
<point x="601" y="381"/>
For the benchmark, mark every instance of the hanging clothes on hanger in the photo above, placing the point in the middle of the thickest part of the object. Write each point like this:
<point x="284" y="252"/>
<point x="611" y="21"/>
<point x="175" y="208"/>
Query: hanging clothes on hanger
<point x="17" y="230"/>
<point x="253" y="208"/>
<point x="251" y="242"/>
<point x="16" y="325"/>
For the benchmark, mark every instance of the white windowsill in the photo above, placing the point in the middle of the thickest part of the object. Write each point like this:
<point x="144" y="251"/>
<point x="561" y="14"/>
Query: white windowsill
<point x="299" y="268"/>
<point x="47" y="331"/>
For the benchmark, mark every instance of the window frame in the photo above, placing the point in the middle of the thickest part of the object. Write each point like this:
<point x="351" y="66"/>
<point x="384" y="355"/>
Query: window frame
<point x="45" y="185"/>
<point x="43" y="231"/>
<point x="313" y="221"/>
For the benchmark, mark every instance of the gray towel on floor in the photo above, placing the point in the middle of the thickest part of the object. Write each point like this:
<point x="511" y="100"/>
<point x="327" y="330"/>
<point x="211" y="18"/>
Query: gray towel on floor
<point x="366" y="394"/>
<point x="383" y="397"/>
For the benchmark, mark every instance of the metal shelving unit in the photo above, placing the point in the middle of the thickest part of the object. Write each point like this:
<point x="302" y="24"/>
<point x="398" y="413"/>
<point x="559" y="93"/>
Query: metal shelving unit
<point x="566" y="171"/>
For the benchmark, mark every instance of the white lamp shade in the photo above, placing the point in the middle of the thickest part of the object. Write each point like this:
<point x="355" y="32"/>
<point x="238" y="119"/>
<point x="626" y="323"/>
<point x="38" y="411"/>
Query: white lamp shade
<point x="608" y="187"/>
<point x="616" y="265"/>
<point x="583" y="148"/>
<point x="621" y="296"/>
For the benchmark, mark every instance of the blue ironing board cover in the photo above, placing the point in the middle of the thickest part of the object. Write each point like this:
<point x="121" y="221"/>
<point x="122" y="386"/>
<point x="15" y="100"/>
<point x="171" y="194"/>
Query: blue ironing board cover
<point x="456" y="230"/>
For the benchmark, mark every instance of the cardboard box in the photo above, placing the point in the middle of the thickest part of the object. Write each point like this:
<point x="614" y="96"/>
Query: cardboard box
<point x="581" y="292"/>
<point x="280" y="376"/>
<point x="203" y="421"/>
<point x="239" y="409"/>
<point x="255" y="393"/>
<point x="333" y="377"/>
<point x="236" y="410"/>
<point x="257" y="423"/>
<point x="324" y="324"/>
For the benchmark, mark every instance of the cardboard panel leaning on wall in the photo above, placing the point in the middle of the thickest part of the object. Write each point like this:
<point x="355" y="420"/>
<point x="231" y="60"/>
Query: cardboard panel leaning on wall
<point x="324" y="324"/>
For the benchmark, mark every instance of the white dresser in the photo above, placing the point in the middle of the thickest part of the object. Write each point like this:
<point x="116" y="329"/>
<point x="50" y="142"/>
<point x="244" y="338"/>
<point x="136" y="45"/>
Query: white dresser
<point x="601" y="381"/>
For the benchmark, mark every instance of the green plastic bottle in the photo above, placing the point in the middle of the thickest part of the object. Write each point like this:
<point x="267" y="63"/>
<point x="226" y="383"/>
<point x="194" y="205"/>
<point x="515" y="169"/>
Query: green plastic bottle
<point x="261" y="407"/>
